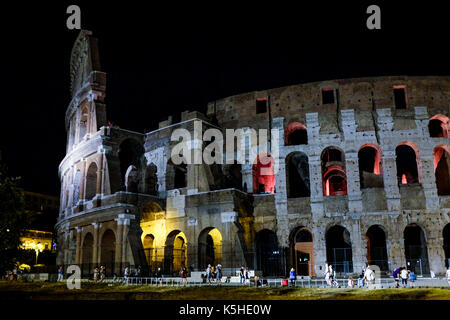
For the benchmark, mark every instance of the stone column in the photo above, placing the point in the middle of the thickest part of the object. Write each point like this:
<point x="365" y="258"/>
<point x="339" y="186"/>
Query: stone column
<point x="123" y="223"/>
<point x="315" y="176"/>
<point x="78" y="246"/>
<point x="359" y="254"/>
<point x="118" y="257"/>
<point x="95" y="244"/>
<point x="247" y="177"/>
<point x="82" y="196"/>
<point x="429" y="179"/>
<point x="390" y="181"/>
<point x="320" y="251"/>
<point x="353" y="183"/>
<point x="436" y="254"/>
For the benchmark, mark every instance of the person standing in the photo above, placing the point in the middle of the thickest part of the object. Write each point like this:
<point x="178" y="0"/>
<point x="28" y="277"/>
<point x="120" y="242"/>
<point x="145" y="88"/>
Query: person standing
<point x="241" y="275"/>
<point x="125" y="275"/>
<point x="95" y="274"/>
<point x="247" y="277"/>
<point x="219" y="274"/>
<point x="350" y="282"/>
<point x="292" y="276"/>
<point x="208" y="274"/>
<point x="404" y="276"/>
<point x="369" y="276"/>
<point x="60" y="274"/>
<point x="412" y="278"/>
<point x="396" y="275"/>
<point x="328" y="277"/>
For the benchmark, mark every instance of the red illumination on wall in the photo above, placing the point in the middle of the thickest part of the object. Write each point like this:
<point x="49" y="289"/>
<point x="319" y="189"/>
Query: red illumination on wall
<point x="404" y="180"/>
<point x="263" y="174"/>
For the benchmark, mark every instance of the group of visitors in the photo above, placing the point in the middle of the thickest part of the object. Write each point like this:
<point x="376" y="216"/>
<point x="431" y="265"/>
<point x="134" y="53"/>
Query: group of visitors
<point x="404" y="275"/>
<point x="183" y="275"/>
<point x="127" y="273"/>
<point x="244" y="277"/>
<point x="365" y="279"/>
<point x="330" y="276"/>
<point x="214" y="273"/>
<point x="99" y="274"/>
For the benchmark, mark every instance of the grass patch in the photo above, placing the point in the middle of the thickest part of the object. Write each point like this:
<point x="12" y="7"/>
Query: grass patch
<point x="58" y="291"/>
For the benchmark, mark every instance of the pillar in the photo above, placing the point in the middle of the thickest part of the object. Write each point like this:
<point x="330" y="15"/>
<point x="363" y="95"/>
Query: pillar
<point x="95" y="248"/>
<point x="353" y="183"/>
<point x="78" y="245"/>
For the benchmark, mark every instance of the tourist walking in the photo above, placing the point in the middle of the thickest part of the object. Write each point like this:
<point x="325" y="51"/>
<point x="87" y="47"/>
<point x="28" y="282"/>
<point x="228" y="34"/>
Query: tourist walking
<point x="95" y="274"/>
<point x="184" y="275"/>
<point x="350" y="282"/>
<point x="247" y="276"/>
<point x="447" y="275"/>
<point x="208" y="274"/>
<point x="241" y="275"/>
<point x="328" y="277"/>
<point x="404" y="276"/>
<point x="102" y="273"/>
<point x="219" y="274"/>
<point x="292" y="276"/>
<point x="125" y="275"/>
<point x="412" y="278"/>
<point x="361" y="281"/>
<point x="396" y="276"/>
<point x="60" y="274"/>
<point x="369" y="276"/>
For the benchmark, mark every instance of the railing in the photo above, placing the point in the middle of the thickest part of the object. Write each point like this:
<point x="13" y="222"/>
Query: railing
<point x="303" y="283"/>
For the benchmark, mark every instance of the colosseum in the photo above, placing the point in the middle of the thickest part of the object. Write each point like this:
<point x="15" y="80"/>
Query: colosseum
<point x="363" y="178"/>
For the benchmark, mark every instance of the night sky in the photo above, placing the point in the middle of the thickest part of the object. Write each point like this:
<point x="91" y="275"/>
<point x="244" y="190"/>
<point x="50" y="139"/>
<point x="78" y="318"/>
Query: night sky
<point x="162" y="60"/>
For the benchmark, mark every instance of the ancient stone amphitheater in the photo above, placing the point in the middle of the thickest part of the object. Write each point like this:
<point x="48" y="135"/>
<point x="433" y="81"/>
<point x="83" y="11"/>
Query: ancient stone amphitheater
<point x="363" y="178"/>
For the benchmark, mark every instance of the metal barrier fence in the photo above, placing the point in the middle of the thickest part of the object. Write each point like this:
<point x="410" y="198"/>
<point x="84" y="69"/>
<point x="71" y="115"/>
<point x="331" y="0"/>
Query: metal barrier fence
<point x="304" y="283"/>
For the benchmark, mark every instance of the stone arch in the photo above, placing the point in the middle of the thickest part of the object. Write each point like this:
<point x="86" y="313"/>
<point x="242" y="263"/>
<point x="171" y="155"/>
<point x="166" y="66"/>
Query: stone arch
<point x="175" y="252"/>
<point x="268" y="259"/>
<point x="442" y="169"/>
<point x="302" y="251"/>
<point x="295" y="134"/>
<point x="151" y="179"/>
<point x="370" y="166"/>
<point x="297" y="175"/>
<point x="108" y="251"/>
<point x="339" y="249"/>
<point x="150" y="250"/>
<point x="408" y="163"/>
<point x="209" y="247"/>
<point x="132" y="179"/>
<point x="176" y="175"/>
<point x="263" y="174"/>
<point x="131" y="157"/>
<point x="446" y="238"/>
<point x="439" y="126"/>
<point x="87" y="249"/>
<point x="377" y="247"/>
<point x="91" y="181"/>
<point x="152" y="211"/>
<point x="83" y="127"/>
<point x="416" y="250"/>
<point x="334" y="178"/>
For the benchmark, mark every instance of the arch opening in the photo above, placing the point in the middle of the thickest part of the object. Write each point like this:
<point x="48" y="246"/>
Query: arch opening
<point x="209" y="248"/>
<point x="370" y="173"/>
<point x="91" y="181"/>
<point x="149" y="249"/>
<point x="108" y="252"/>
<point x="376" y="247"/>
<point x="406" y="161"/>
<point x="297" y="171"/>
<point x="131" y="163"/>
<point x="151" y="180"/>
<point x="442" y="170"/>
<point x="263" y="174"/>
<point x="334" y="177"/>
<point x="416" y="251"/>
<point x="302" y="251"/>
<point x="87" y="254"/>
<point x="267" y="253"/>
<point x="295" y="134"/>
<point x="175" y="252"/>
<point x="339" y="249"/>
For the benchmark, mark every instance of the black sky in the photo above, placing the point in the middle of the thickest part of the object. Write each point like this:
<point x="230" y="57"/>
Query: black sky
<point x="162" y="60"/>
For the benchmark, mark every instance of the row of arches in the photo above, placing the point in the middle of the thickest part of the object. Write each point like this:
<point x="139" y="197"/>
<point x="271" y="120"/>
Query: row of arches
<point x="296" y="133"/>
<point x="333" y="167"/>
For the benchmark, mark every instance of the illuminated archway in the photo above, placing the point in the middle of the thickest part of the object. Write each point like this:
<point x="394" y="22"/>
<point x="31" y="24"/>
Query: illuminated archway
<point x="442" y="169"/>
<point x="263" y="174"/>
<point x="297" y="175"/>
<point x="209" y="248"/>
<point x="439" y="126"/>
<point x="370" y="168"/>
<point x="295" y="134"/>
<point x="407" y="163"/>
<point x="175" y="252"/>
<point x="334" y="177"/>
<point x="149" y="250"/>
<point x="302" y="251"/>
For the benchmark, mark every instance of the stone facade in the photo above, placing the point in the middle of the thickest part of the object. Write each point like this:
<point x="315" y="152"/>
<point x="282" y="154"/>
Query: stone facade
<point x="374" y="151"/>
